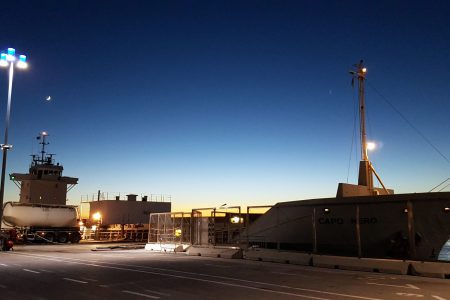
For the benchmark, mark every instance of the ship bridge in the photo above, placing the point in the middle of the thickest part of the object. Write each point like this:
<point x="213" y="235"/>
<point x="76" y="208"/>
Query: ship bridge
<point x="44" y="182"/>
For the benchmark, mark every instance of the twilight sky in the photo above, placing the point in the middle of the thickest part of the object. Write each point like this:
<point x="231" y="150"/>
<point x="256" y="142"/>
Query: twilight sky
<point x="237" y="102"/>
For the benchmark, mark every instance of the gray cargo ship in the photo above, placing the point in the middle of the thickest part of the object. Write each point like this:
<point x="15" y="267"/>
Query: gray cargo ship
<point x="362" y="220"/>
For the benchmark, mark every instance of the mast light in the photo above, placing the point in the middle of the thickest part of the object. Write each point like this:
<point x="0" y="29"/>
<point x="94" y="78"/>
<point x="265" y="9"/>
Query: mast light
<point x="371" y="146"/>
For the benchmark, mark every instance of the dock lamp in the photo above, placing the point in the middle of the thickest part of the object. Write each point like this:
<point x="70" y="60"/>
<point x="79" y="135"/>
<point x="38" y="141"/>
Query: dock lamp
<point x="8" y="59"/>
<point x="98" y="218"/>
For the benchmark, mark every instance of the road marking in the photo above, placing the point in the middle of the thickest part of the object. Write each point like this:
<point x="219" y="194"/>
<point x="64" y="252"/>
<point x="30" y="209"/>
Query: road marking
<point x="199" y="279"/>
<point x="371" y="277"/>
<point x="410" y="295"/>
<point x="142" y="295"/>
<point x="218" y="266"/>
<point x="90" y="279"/>
<point x="438" y="298"/>
<point x="74" y="280"/>
<point x="413" y="286"/>
<point x="238" y="285"/>
<point x="113" y="255"/>
<point x="31" y="271"/>
<point x="290" y="274"/>
<point x="162" y="294"/>
<point x="83" y="262"/>
<point x="407" y="286"/>
<point x="45" y="271"/>
<point x="2" y="286"/>
<point x="103" y="285"/>
<point x="3" y="265"/>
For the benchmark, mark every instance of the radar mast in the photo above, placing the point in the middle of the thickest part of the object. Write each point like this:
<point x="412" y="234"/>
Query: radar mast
<point x="366" y="169"/>
<point x="365" y="185"/>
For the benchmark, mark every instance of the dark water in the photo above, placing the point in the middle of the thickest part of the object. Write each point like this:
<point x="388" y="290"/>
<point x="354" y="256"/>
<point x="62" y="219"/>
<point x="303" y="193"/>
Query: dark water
<point x="445" y="252"/>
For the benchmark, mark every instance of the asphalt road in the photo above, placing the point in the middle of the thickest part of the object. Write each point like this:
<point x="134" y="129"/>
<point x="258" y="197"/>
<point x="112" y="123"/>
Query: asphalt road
<point x="75" y="272"/>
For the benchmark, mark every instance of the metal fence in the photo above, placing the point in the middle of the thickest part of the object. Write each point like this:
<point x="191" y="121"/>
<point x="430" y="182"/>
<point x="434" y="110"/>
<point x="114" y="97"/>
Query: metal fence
<point x="206" y="226"/>
<point x="170" y="228"/>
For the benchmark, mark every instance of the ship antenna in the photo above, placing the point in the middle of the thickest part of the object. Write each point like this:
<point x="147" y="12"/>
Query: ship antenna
<point x="42" y="136"/>
<point x="366" y="170"/>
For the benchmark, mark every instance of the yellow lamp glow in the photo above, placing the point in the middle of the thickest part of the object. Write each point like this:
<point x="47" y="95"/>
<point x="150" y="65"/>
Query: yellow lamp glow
<point x="97" y="216"/>
<point x="236" y="220"/>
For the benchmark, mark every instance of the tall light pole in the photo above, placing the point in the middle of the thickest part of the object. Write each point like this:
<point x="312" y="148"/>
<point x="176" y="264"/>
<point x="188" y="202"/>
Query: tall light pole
<point x="10" y="60"/>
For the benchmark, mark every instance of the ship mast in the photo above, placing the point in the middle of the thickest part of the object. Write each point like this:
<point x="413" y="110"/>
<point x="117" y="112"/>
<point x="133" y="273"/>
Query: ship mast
<point x="42" y="137"/>
<point x="366" y="170"/>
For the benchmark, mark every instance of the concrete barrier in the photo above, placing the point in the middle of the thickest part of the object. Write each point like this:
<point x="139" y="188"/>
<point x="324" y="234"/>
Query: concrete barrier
<point x="430" y="269"/>
<point x="277" y="256"/>
<point x="222" y="252"/>
<point x="361" y="264"/>
<point x="391" y="266"/>
<point x="161" y="247"/>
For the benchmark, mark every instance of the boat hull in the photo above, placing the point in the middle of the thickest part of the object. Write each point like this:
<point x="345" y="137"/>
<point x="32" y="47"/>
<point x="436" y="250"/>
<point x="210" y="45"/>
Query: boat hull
<point x="404" y="226"/>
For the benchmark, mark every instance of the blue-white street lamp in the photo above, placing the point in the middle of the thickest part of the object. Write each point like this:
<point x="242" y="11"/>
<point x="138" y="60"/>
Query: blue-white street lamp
<point x="8" y="59"/>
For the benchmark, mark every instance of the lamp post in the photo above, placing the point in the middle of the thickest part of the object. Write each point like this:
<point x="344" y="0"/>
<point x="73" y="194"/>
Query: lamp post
<point x="8" y="59"/>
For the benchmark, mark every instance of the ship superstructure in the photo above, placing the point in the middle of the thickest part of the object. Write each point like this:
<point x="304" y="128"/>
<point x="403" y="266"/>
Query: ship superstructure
<point x="44" y="183"/>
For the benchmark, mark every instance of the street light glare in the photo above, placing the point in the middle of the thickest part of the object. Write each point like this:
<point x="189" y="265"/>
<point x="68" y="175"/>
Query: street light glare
<point x="3" y="61"/>
<point x="11" y="55"/>
<point x="22" y="65"/>
<point x="8" y="59"/>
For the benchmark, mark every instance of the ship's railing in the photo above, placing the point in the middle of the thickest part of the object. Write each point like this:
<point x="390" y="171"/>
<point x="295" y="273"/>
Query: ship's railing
<point x="118" y="235"/>
<point x="123" y="196"/>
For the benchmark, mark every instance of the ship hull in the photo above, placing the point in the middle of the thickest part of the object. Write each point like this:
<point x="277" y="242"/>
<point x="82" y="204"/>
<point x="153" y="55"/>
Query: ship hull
<point x="404" y="226"/>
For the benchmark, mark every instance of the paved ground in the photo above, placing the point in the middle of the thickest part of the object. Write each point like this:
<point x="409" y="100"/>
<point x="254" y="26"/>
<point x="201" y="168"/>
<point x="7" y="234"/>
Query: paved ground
<point x="76" y="272"/>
